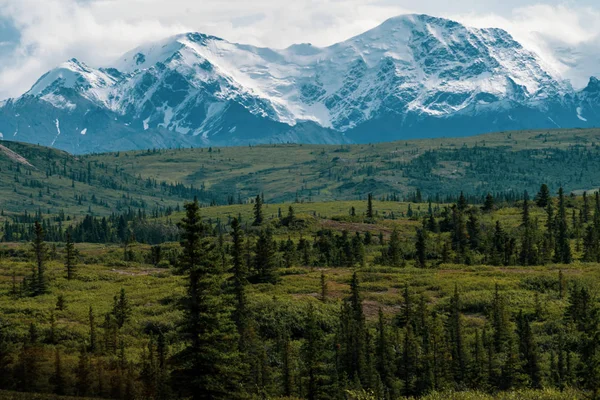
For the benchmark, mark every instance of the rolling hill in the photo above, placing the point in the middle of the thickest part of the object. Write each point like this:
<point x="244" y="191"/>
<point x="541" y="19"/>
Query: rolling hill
<point x="34" y="178"/>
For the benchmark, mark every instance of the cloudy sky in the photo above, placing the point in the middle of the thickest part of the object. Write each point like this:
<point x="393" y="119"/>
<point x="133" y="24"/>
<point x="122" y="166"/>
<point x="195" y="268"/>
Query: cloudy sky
<point x="36" y="35"/>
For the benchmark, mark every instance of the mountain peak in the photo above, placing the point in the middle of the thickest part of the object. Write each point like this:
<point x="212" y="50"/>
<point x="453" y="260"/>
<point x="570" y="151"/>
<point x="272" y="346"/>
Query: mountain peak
<point x="414" y="74"/>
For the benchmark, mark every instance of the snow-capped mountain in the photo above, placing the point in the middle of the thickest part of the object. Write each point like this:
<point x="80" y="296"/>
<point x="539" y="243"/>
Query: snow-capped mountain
<point x="412" y="76"/>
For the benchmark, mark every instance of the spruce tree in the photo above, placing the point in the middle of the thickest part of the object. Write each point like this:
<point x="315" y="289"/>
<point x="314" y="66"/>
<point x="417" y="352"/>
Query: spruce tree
<point x="500" y="321"/>
<point x="543" y="197"/>
<point x="258" y="211"/>
<point x="562" y="249"/>
<point x="39" y="281"/>
<point x="529" y="352"/>
<point x="265" y="262"/>
<point x="384" y="358"/>
<point x="409" y="361"/>
<point x="421" y="249"/>
<point x="207" y="367"/>
<point x="394" y="251"/>
<point x="352" y="336"/>
<point x="528" y="255"/>
<point x="489" y="203"/>
<point x="58" y="377"/>
<point x="314" y="358"/>
<point x="585" y="211"/>
<point x="93" y="339"/>
<point x="457" y="340"/>
<point x="69" y="257"/>
<point x="83" y="376"/>
<point x="240" y="280"/>
<point x="462" y="203"/>
<point x="370" y="211"/>
<point x="474" y="229"/>
<point x="121" y="309"/>
<point x="6" y="355"/>
<point x="324" y="288"/>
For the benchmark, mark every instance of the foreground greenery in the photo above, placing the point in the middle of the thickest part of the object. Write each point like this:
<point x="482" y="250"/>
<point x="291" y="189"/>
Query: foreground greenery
<point x="338" y="300"/>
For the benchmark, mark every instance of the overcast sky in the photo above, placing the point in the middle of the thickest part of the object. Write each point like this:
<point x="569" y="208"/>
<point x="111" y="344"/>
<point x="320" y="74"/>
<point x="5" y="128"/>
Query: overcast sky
<point x="37" y="35"/>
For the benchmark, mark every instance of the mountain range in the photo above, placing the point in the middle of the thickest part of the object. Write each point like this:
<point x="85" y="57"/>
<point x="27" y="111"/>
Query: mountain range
<point x="414" y="76"/>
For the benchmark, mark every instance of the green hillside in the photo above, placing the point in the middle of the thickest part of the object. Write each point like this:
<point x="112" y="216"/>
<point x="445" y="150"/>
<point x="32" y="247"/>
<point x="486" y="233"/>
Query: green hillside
<point x="53" y="181"/>
<point x="494" y="162"/>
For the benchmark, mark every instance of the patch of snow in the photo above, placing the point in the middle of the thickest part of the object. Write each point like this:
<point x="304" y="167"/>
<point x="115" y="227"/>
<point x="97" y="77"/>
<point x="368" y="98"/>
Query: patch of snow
<point x="84" y="131"/>
<point x="1" y="136"/>
<point x="551" y="120"/>
<point x="58" y="101"/>
<point x="580" y="114"/>
<point x="57" y="123"/>
<point x="146" y="126"/>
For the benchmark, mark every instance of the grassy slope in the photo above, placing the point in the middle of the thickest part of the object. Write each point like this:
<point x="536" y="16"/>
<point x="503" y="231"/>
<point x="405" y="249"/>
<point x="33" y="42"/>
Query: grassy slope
<point x="494" y="162"/>
<point x="348" y="172"/>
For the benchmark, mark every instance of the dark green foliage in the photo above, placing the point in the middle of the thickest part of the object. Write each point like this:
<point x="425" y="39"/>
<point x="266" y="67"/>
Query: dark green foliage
<point x="69" y="257"/>
<point x="528" y="254"/>
<point x="370" y="211"/>
<point x="207" y="368"/>
<point x="240" y="280"/>
<point x="393" y="255"/>
<point x="323" y="288"/>
<point x="529" y="352"/>
<point x="489" y="203"/>
<point x="93" y="341"/>
<point x="258" y="211"/>
<point x="121" y="309"/>
<point x="543" y="197"/>
<point x="562" y="248"/>
<point x="421" y="249"/>
<point x="314" y="355"/>
<point x="265" y="262"/>
<point x="39" y="282"/>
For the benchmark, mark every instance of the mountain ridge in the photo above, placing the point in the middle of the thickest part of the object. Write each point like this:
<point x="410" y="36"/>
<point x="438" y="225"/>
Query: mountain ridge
<point x="412" y="76"/>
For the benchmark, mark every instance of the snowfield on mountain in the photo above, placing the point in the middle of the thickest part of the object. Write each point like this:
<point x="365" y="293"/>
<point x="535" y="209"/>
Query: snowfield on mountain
<point x="413" y="76"/>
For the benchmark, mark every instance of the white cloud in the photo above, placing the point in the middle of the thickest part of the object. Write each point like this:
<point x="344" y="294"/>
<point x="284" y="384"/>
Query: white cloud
<point x="99" y="31"/>
<point x="566" y="38"/>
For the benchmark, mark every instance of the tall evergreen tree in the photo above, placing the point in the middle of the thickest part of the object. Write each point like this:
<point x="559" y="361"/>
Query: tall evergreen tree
<point x="240" y="280"/>
<point x="489" y="203"/>
<point x="384" y="357"/>
<point x="314" y="359"/>
<point x="69" y="257"/>
<point x="457" y="340"/>
<point x="258" y="211"/>
<point x="562" y="248"/>
<point x="370" y="211"/>
<point x="474" y="229"/>
<point x="500" y="321"/>
<point x="421" y="249"/>
<point x="58" y="377"/>
<point x="394" y="251"/>
<point x="91" y="320"/>
<point x="265" y="262"/>
<point x="324" y="288"/>
<point x="207" y="367"/>
<point x="543" y="197"/>
<point x="529" y="352"/>
<point x="121" y="309"/>
<point x="83" y="375"/>
<point x="528" y="254"/>
<point x="39" y="281"/>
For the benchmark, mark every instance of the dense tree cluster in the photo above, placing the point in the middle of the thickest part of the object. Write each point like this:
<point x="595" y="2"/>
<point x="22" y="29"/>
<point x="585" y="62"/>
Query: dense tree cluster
<point x="226" y="347"/>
